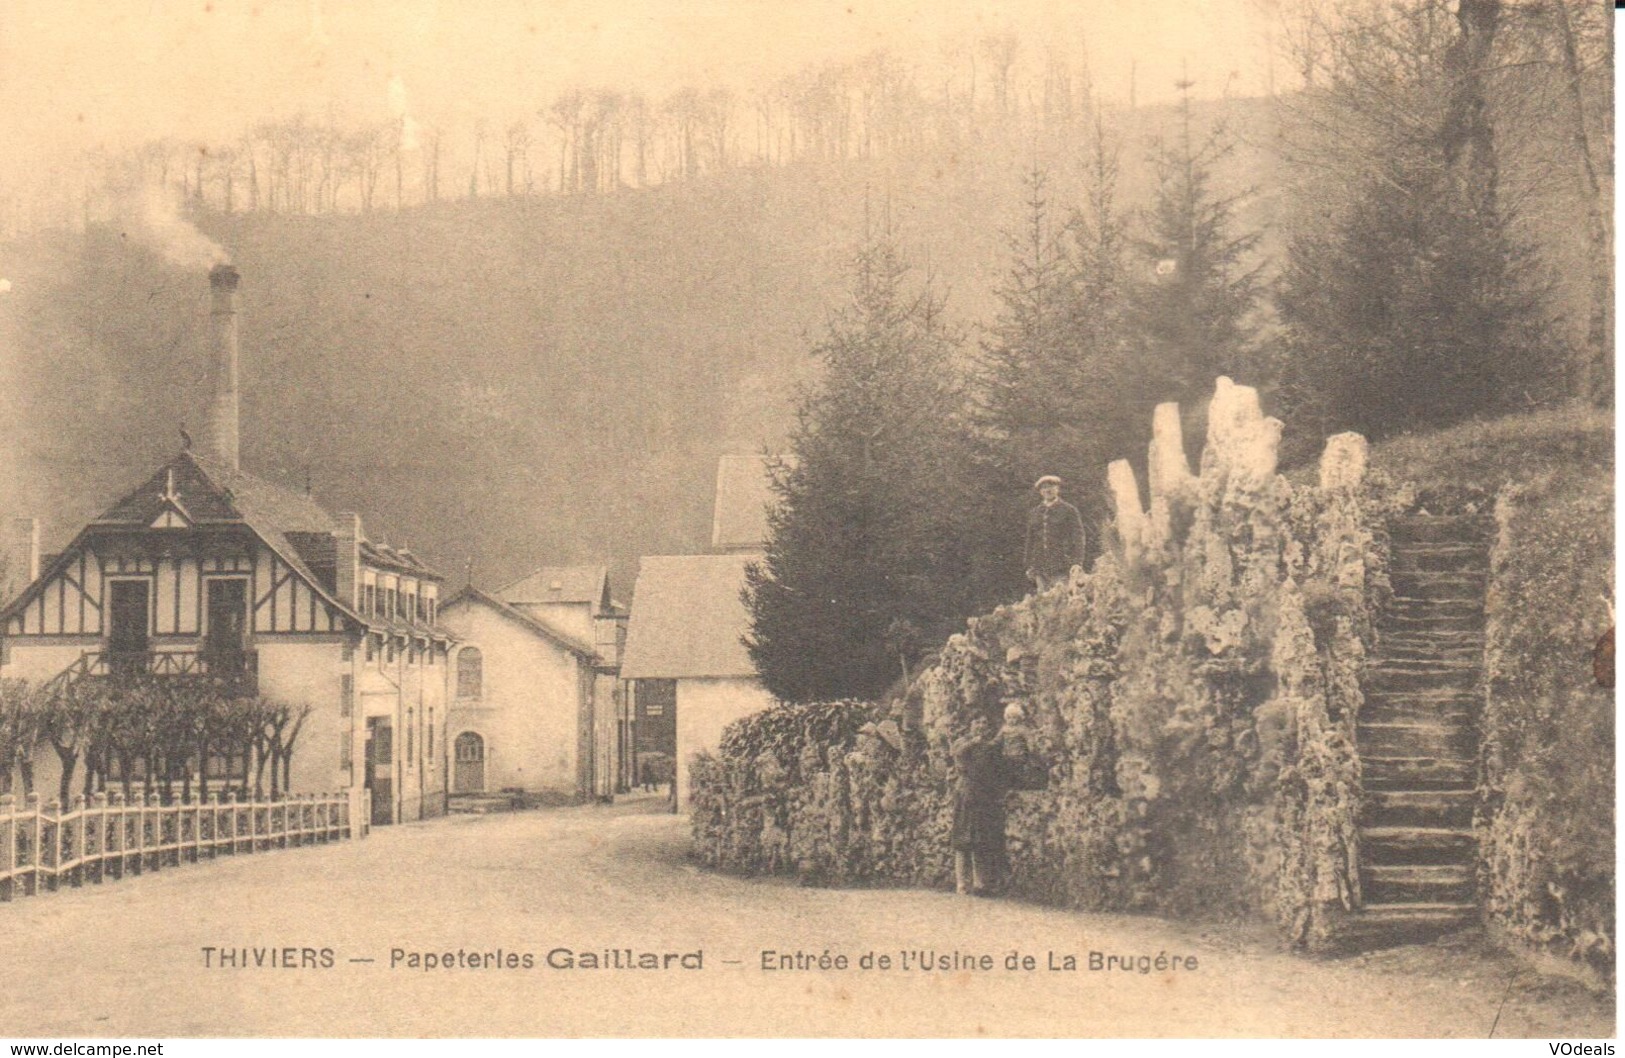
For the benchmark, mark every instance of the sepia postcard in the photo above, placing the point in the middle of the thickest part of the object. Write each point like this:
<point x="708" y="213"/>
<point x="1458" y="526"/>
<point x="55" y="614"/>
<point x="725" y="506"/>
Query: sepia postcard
<point x="738" y="519"/>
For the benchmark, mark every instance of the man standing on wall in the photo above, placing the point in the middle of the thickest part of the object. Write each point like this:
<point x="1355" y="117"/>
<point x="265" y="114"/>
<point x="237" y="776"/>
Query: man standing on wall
<point x="1055" y="537"/>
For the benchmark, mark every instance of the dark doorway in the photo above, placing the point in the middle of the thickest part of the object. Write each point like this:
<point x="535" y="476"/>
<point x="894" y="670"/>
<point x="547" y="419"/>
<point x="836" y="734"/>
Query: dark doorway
<point x="468" y="758"/>
<point x="655" y="710"/>
<point x="656" y="702"/>
<point x="381" y="769"/>
<point x="128" y="614"/>
<point x="225" y="641"/>
<point x="228" y="615"/>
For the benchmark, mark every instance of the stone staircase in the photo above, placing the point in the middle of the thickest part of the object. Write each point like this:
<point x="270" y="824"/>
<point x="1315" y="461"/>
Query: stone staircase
<point x="1418" y="737"/>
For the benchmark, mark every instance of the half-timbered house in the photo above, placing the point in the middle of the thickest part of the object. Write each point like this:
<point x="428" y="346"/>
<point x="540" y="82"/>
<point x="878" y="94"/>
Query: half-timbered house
<point x="205" y="571"/>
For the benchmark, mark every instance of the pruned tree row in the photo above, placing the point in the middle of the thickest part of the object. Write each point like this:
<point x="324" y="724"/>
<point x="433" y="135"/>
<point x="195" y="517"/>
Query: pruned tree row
<point x="176" y="736"/>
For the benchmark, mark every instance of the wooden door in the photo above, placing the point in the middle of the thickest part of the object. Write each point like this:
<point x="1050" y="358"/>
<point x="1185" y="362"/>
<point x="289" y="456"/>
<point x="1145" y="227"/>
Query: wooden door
<point x="381" y="769"/>
<point x="468" y="764"/>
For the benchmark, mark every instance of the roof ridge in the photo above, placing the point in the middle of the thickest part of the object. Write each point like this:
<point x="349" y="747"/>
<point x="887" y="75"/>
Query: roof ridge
<point x="559" y="636"/>
<point x="600" y="572"/>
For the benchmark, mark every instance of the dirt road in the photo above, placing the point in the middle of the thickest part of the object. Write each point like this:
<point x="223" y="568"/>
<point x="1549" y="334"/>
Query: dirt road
<point x="336" y="941"/>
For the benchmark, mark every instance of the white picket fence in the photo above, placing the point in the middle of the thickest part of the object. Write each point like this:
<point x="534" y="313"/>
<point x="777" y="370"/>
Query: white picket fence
<point x="43" y="847"/>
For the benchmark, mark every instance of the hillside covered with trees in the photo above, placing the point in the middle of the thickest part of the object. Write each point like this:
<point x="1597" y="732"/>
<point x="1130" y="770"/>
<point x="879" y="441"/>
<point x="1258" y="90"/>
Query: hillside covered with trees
<point x="530" y="345"/>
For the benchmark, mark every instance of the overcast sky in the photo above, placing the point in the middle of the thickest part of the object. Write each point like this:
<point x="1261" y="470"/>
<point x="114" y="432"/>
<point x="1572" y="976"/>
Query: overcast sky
<point x="79" y="73"/>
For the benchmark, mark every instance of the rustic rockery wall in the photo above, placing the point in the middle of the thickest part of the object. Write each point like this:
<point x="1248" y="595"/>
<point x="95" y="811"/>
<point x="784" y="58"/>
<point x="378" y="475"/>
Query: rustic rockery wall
<point x="1195" y="695"/>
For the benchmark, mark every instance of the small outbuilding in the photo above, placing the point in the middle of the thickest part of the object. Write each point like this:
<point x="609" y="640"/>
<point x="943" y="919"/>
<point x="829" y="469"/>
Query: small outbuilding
<point x="685" y="654"/>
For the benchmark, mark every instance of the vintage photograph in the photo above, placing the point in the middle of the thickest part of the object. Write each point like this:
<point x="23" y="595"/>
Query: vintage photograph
<point x="834" y="518"/>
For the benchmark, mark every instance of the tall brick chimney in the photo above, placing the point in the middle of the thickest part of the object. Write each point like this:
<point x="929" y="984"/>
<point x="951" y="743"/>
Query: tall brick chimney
<point x="220" y="443"/>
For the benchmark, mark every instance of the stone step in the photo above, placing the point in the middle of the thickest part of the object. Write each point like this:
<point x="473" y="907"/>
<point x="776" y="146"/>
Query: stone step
<point x="1414" y="606"/>
<point x="1415" y="846"/>
<point x="1416" y="629"/>
<point x="1422" y="660"/>
<point x="1438" y="703"/>
<point x="1450" y="714"/>
<point x="1422" y="675"/>
<point x="1435" y="628"/>
<point x="1394" y="648"/>
<point x="1435" y="739"/>
<point x="1456" y="663"/>
<point x="1429" y="581"/>
<point x="1441" y="528"/>
<point x="1416" y="611"/>
<point x="1386" y="681"/>
<point x="1447" y="546"/>
<point x="1430" y="884"/>
<point x="1386" y="925"/>
<point x="1417" y="773"/>
<point x="1438" y="587"/>
<point x="1418" y="808"/>
<point x="1439" y="558"/>
<point x="1440" y="576"/>
<point x="480" y="804"/>
<point x="1467" y="621"/>
<point x="1423" y="697"/>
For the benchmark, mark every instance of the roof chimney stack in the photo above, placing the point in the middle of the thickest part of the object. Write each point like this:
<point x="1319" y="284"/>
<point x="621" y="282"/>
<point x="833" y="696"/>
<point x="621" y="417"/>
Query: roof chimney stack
<point x="221" y="443"/>
<point x="21" y="561"/>
<point x="347" y="551"/>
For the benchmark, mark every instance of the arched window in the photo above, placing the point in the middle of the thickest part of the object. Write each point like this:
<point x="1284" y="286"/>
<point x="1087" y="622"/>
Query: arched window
<point x="470" y="673"/>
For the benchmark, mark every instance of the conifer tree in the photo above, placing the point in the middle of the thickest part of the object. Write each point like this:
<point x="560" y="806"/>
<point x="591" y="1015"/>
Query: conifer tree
<point x="1411" y="312"/>
<point x="1193" y="304"/>
<point x="1108" y="408"/>
<point x="868" y="559"/>
<point x="1026" y="357"/>
<point x="1054" y="393"/>
<point x="1023" y="402"/>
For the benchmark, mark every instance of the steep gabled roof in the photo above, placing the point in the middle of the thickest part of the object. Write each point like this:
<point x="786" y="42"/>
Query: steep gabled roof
<point x="561" y="584"/>
<point x="290" y="522"/>
<point x="212" y="491"/>
<point x="688" y="618"/>
<point x="213" y="494"/>
<point x="469" y="595"/>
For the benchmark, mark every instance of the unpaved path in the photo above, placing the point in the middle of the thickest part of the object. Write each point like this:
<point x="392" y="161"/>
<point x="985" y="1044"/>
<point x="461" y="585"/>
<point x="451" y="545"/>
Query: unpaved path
<point x="127" y="958"/>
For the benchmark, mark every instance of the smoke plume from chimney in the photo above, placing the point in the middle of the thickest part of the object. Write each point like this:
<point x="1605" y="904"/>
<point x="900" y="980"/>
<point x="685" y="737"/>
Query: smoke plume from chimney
<point x="220" y="442"/>
<point x="149" y="216"/>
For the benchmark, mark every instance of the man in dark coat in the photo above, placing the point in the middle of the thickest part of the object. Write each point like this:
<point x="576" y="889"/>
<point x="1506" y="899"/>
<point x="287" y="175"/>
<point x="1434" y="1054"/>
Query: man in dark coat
<point x="1055" y="537"/>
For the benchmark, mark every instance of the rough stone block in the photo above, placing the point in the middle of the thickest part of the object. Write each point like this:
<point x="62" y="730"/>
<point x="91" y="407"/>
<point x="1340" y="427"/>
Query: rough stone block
<point x="1342" y="464"/>
<point x="1125" y="492"/>
<point x="1166" y="465"/>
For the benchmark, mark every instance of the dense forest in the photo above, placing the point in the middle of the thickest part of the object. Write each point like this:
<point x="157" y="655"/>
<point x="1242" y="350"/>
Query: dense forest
<point x="533" y="348"/>
<point x="516" y="381"/>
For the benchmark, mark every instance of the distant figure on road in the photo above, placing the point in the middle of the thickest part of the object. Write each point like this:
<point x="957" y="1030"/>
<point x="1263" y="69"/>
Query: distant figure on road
<point x="978" y="821"/>
<point x="1055" y="537"/>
